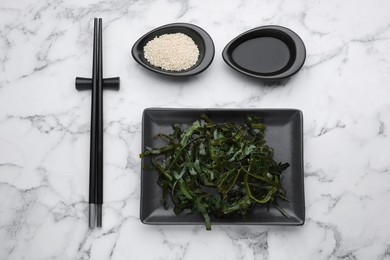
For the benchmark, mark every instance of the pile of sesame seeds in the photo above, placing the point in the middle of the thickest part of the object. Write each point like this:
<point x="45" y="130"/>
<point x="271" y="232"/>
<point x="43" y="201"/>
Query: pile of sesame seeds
<point x="172" y="52"/>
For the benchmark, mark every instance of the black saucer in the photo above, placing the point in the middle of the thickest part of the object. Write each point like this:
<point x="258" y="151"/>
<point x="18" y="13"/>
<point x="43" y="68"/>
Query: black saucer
<point x="268" y="52"/>
<point x="201" y="38"/>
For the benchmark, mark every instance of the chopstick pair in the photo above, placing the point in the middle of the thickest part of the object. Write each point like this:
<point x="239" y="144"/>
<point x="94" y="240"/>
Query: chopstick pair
<point x="96" y="85"/>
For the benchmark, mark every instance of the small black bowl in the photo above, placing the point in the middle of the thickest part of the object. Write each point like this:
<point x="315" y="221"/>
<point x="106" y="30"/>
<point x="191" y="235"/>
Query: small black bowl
<point x="268" y="52"/>
<point x="201" y="38"/>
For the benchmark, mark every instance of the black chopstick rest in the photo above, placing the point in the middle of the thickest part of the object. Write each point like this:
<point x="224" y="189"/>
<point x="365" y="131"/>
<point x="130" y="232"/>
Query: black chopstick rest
<point x="96" y="85"/>
<point x="108" y="83"/>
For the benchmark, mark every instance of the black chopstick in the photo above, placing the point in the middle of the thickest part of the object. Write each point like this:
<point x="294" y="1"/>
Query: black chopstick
<point x="96" y="84"/>
<point x="99" y="137"/>
<point x="93" y="150"/>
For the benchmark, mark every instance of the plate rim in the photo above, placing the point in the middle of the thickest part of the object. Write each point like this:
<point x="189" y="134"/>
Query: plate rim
<point x="299" y="222"/>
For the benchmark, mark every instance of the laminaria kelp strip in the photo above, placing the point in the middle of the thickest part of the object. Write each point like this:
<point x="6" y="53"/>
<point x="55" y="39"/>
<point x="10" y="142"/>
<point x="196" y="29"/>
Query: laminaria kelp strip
<point x="218" y="169"/>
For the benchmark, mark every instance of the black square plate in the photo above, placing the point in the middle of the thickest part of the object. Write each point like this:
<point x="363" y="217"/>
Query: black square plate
<point x="284" y="133"/>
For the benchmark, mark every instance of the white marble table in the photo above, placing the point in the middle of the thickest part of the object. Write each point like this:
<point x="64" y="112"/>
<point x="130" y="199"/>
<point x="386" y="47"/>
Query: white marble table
<point x="343" y="91"/>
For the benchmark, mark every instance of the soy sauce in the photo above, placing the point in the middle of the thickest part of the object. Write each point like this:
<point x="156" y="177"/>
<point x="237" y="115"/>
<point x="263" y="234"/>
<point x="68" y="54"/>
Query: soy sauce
<point x="262" y="55"/>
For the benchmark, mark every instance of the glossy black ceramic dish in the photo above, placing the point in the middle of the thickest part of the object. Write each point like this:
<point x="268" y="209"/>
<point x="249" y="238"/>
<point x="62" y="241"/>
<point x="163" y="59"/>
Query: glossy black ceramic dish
<point x="201" y="38"/>
<point x="284" y="133"/>
<point x="268" y="52"/>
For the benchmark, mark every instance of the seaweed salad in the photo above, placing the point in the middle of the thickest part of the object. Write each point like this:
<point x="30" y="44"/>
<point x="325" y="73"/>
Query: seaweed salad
<point x="218" y="169"/>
